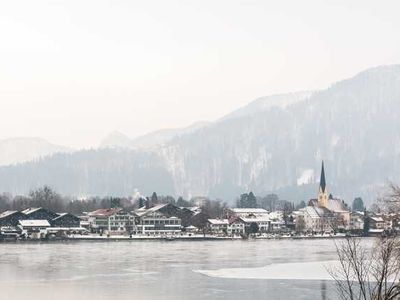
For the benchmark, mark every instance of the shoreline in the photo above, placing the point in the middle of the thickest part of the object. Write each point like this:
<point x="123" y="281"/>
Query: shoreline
<point x="88" y="238"/>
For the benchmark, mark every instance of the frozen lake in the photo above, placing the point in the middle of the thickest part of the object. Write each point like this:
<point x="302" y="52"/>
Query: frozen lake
<point x="262" y="269"/>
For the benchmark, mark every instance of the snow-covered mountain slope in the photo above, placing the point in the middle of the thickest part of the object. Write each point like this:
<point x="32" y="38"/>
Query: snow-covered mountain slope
<point x="354" y="126"/>
<point x="117" y="139"/>
<point x="280" y="101"/>
<point x="18" y="150"/>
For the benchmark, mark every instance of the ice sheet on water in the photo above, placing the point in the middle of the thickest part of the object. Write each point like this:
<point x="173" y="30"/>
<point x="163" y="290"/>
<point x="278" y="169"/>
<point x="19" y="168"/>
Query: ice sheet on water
<point x="316" y="270"/>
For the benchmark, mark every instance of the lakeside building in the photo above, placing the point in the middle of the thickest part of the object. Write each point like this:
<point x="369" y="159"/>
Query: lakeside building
<point x="318" y="219"/>
<point x="38" y="222"/>
<point x="10" y="233"/>
<point x="377" y="222"/>
<point x="325" y="214"/>
<point x="39" y="213"/>
<point x="376" y="225"/>
<point x="113" y="220"/>
<point x="245" y="212"/>
<point x="280" y="225"/>
<point x="34" y="228"/>
<point x="65" y="220"/>
<point x="159" y="219"/>
<point x="218" y="226"/>
<point x="191" y="209"/>
<point x="263" y="223"/>
<point x="239" y="225"/>
<point x="11" y="218"/>
<point x="190" y="216"/>
<point x="280" y="222"/>
<point x="391" y="221"/>
<point x="191" y="229"/>
<point x="357" y="220"/>
<point x="242" y="218"/>
<point x="233" y="226"/>
<point x="197" y="219"/>
<point x="86" y="221"/>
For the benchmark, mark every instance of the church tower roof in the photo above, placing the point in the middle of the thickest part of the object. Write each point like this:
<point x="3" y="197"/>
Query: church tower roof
<point x="322" y="181"/>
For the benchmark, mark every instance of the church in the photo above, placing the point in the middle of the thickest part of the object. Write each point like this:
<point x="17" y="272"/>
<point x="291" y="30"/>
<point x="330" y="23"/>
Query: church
<point x="326" y="213"/>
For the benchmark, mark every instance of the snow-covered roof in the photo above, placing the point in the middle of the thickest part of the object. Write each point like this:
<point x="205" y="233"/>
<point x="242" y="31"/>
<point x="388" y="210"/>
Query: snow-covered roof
<point x="255" y="219"/>
<point x="30" y="210"/>
<point x="218" y="221"/>
<point x="276" y="213"/>
<point x="314" y="212"/>
<point x="34" y="223"/>
<point x="249" y="210"/>
<point x="191" y="227"/>
<point x="144" y="211"/>
<point x="60" y="215"/>
<point x="336" y="205"/>
<point x="377" y="219"/>
<point x="191" y="208"/>
<point x="104" y="212"/>
<point x="357" y="212"/>
<point x="7" y="213"/>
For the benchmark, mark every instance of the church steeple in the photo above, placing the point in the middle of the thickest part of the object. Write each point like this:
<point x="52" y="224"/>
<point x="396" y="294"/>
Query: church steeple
<point x="323" y="195"/>
<point x="322" y="181"/>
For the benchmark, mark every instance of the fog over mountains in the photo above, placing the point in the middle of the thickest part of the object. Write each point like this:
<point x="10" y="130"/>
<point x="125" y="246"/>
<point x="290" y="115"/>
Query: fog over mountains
<point x="18" y="150"/>
<point x="159" y="137"/>
<point x="274" y="144"/>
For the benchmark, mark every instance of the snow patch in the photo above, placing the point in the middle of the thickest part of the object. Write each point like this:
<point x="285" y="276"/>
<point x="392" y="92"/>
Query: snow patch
<point x="316" y="270"/>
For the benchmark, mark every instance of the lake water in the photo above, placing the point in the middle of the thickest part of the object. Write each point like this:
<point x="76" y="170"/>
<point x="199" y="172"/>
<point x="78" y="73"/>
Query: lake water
<point x="279" y="269"/>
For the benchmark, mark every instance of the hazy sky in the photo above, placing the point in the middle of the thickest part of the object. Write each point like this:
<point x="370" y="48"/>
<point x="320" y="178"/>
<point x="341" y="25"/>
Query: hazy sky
<point x="72" y="71"/>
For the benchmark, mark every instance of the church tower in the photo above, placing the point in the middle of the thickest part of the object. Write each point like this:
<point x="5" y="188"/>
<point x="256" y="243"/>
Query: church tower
<point x="323" y="195"/>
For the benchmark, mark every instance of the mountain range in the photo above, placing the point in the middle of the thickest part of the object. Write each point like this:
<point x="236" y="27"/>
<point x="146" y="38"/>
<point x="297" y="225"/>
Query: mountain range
<point x="274" y="144"/>
<point x="19" y="150"/>
<point x="119" y="140"/>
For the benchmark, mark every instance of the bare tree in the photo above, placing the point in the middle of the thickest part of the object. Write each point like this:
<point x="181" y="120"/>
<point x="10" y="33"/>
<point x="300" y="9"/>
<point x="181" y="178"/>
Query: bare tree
<point x="368" y="274"/>
<point x="390" y="202"/>
<point x="337" y="222"/>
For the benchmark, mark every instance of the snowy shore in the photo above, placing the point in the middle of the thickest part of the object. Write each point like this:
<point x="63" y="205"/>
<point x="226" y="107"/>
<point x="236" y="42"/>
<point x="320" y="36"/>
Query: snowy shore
<point x="148" y="237"/>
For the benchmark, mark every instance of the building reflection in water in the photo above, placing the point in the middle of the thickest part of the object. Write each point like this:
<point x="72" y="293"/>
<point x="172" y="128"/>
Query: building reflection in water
<point x="323" y="290"/>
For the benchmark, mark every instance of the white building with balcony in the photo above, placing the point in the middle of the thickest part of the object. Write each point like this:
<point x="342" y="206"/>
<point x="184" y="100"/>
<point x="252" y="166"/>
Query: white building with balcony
<point x="159" y="219"/>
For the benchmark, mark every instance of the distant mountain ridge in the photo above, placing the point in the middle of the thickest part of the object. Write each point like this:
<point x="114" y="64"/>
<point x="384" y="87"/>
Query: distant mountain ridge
<point x="281" y="101"/>
<point x="353" y="125"/>
<point x="119" y="140"/>
<point x="23" y="149"/>
<point x="116" y="139"/>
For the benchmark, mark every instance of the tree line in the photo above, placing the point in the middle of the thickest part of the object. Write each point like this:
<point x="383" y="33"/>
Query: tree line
<point x="48" y="198"/>
<point x="270" y="202"/>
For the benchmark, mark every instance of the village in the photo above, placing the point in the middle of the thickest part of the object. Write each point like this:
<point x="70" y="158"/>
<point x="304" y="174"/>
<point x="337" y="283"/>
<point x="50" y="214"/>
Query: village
<point x="323" y="217"/>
